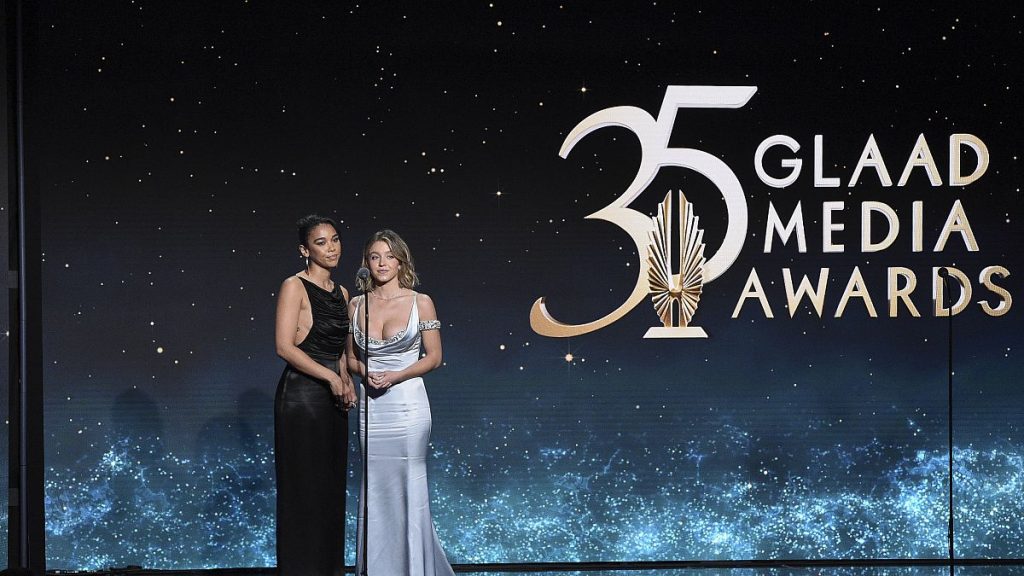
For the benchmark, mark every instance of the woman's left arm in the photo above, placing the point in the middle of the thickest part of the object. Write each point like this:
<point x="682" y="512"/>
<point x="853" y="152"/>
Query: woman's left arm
<point x="431" y="344"/>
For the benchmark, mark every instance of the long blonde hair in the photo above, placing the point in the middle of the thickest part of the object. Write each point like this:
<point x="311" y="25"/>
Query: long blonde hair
<point x="407" y="277"/>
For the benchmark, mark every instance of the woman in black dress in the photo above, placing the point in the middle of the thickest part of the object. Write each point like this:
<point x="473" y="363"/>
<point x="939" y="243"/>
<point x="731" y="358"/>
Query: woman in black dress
<point x="310" y="409"/>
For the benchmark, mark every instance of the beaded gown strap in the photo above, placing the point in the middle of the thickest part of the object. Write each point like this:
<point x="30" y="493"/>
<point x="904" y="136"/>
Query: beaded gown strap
<point x="429" y="325"/>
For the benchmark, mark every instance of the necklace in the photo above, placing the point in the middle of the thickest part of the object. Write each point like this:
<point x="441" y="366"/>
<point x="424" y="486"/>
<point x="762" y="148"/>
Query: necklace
<point x="386" y="298"/>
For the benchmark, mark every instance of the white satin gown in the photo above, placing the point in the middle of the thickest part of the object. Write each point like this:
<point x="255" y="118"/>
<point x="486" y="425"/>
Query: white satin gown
<point x="403" y="540"/>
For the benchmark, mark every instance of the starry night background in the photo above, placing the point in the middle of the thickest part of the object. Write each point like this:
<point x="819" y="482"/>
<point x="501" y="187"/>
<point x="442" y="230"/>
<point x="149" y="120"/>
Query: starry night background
<point x="174" y="145"/>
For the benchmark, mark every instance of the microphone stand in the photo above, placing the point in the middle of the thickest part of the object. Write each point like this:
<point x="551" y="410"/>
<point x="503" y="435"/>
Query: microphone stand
<point x="948" y="297"/>
<point x="364" y="274"/>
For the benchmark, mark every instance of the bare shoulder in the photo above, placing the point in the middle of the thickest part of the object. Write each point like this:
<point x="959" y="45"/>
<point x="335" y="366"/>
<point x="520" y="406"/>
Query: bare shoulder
<point x="344" y="292"/>
<point x="354" y="302"/>
<point x="291" y="287"/>
<point x="425" y="307"/>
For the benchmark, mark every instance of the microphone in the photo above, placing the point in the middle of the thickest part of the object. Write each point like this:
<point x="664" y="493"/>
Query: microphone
<point x="363" y="274"/>
<point x="944" y="274"/>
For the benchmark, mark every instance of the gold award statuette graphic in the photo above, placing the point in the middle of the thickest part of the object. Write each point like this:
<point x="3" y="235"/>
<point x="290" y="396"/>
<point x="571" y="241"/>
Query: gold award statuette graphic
<point x="675" y="296"/>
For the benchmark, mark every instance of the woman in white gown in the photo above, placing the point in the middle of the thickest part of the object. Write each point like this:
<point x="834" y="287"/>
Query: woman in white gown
<point x="402" y="539"/>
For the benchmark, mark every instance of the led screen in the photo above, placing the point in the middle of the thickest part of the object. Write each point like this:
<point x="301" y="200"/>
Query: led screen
<point x="829" y="161"/>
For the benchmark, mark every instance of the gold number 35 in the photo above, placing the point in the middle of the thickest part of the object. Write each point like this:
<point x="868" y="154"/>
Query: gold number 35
<point x="655" y="153"/>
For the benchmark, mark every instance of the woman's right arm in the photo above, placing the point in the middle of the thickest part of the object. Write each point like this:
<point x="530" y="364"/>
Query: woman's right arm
<point x="286" y="324"/>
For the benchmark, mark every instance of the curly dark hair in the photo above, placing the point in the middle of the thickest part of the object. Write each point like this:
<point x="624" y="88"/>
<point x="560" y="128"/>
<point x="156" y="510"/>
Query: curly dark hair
<point x="307" y="223"/>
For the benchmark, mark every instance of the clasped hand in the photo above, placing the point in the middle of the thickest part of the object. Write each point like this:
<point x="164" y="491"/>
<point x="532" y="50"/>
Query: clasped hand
<point x="382" y="380"/>
<point x="344" y="392"/>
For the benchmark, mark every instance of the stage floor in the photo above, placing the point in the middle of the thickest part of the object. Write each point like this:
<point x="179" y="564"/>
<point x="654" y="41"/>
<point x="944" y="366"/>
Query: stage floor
<point x="870" y="571"/>
<point x="859" y="571"/>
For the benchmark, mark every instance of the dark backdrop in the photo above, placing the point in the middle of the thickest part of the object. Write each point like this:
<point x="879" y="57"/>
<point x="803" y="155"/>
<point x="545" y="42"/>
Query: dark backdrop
<point x="173" y="145"/>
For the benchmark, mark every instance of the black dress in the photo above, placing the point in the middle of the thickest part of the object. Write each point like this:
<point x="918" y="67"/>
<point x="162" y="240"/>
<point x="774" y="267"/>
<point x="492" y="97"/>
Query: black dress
<point x="311" y="450"/>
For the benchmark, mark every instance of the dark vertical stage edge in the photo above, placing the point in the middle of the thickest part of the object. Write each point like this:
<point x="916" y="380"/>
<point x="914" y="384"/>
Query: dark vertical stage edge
<point x="10" y="182"/>
<point x="26" y="541"/>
